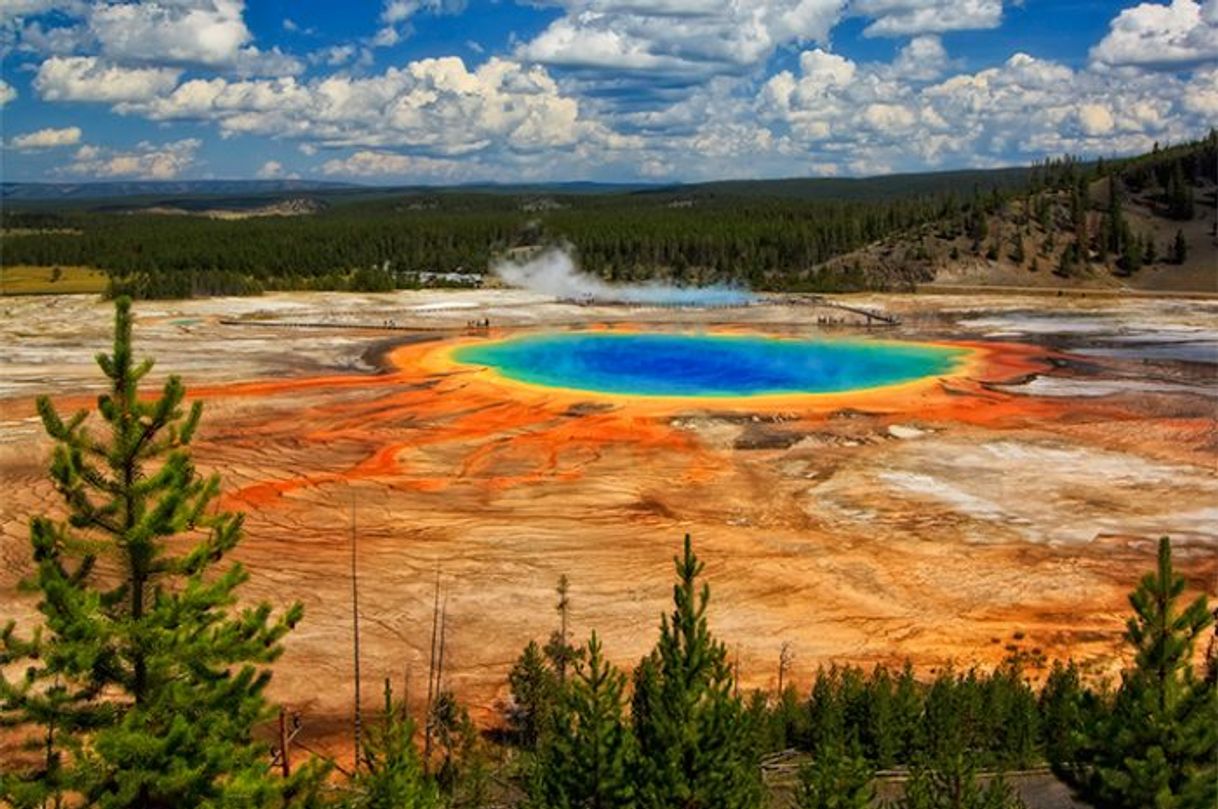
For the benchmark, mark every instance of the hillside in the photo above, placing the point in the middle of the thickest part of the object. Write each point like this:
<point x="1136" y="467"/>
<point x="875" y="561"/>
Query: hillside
<point x="1145" y="223"/>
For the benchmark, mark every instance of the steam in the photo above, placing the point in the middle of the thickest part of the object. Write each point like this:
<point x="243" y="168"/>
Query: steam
<point x="553" y="272"/>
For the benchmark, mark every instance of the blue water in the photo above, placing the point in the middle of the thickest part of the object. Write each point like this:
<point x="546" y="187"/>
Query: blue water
<point x="703" y="365"/>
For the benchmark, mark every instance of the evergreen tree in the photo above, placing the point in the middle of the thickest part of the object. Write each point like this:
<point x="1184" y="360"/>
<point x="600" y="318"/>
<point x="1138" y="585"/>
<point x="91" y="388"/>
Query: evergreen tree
<point x="535" y="689"/>
<point x="1018" y="254"/>
<point x="559" y="650"/>
<point x="587" y="760"/>
<point x="835" y="779"/>
<point x="1179" y="248"/>
<point x="462" y="775"/>
<point x="1011" y="707"/>
<point x="907" y="710"/>
<point x="881" y="735"/>
<point x="149" y="679"/>
<point x="693" y="741"/>
<point x="1068" y="264"/>
<point x="827" y="711"/>
<point x="951" y="782"/>
<point x="1157" y="746"/>
<point x="1061" y="706"/>
<point x="1115" y="224"/>
<point x="391" y="774"/>
<point x="1180" y="199"/>
<point x="1132" y="253"/>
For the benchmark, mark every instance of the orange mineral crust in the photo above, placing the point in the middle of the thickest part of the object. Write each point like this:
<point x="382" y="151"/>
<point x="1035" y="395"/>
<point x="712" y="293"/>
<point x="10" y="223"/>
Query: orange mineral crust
<point x="947" y="519"/>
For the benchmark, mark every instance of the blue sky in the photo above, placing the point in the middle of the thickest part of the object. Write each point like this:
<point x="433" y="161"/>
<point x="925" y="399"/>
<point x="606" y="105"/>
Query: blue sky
<point x="445" y="91"/>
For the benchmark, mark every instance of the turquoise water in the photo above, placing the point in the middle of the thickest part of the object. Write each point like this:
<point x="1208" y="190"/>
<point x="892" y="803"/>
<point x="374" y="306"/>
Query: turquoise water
<point x="704" y="365"/>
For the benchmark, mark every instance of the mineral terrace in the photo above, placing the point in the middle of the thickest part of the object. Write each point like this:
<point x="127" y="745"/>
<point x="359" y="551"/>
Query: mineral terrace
<point x="1007" y="508"/>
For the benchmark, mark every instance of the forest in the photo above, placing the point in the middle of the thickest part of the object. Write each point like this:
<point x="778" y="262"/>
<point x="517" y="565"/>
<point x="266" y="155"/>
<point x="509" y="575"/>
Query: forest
<point x="148" y="689"/>
<point x="767" y="235"/>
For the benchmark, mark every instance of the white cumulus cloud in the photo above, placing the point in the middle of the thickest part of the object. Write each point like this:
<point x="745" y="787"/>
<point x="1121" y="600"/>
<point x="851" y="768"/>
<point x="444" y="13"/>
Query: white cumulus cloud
<point x="1151" y="34"/>
<point x="85" y="78"/>
<point x="191" y="33"/>
<point x="1027" y="108"/>
<point x="148" y="161"/>
<point x="389" y="165"/>
<point x="270" y="169"/>
<point x="47" y="138"/>
<point x="685" y="37"/>
<point x="430" y="105"/>
<point x="911" y="17"/>
<point x="7" y="93"/>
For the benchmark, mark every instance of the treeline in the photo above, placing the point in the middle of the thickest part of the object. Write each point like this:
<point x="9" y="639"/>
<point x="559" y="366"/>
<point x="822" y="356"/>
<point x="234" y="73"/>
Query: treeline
<point x="696" y="235"/>
<point x="696" y="239"/>
<point x="148" y="689"/>
<point x="1073" y="218"/>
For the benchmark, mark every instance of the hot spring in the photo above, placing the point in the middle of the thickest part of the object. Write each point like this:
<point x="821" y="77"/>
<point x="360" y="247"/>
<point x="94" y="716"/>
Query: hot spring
<point x="638" y="364"/>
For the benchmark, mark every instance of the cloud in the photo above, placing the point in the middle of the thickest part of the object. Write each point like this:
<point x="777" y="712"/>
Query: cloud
<point x="333" y="56"/>
<point x="1169" y="36"/>
<point x="367" y="163"/>
<point x="7" y="92"/>
<point x="85" y="78"/>
<point x="210" y="33"/>
<point x="273" y="170"/>
<point x="178" y="33"/>
<point x="924" y="58"/>
<point x="840" y="112"/>
<point x="147" y="161"/>
<point x="911" y="17"/>
<point x="18" y="9"/>
<point x="1095" y="119"/>
<point x="435" y="106"/>
<point x="47" y="139"/>
<point x="690" y="39"/>
<point x="396" y="15"/>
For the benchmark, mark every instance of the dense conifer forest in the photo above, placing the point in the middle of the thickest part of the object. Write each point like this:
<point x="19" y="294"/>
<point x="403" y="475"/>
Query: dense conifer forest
<point x="149" y="689"/>
<point x="779" y="235"/>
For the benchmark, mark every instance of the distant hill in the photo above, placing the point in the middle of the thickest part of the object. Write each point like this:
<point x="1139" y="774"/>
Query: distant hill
<point x="861" y="188"/>
<point x="10" y="191"/>
<point x="177" y="193"/>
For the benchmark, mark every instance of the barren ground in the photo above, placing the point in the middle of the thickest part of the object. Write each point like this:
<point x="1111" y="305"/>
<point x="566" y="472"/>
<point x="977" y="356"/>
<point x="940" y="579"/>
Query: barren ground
<point x="1013" y="507"/>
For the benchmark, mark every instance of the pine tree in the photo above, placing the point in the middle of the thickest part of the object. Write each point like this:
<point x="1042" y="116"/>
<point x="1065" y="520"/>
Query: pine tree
<point x="950" y="782"/>
<point x="391" y="772"/>
<point x="461" y="775"/>
<point x="559" y="650"/>
<point x="1157" y="746"/>
<point x="1116" y="230"/>
<point x="149" y="680"/>
<point x="835" y="779"/>
<point x="1180" y="200"/>
<point x="1179" y="248"/>
<point x="1061" y="706"/>
<point x="587" y="760"/>
<point x="1132" y="253"/>
<point x="907" y="709"/>
<point x="881" y="736"/>
<point x="1018" y="254"/>
<point x="535" y="689"/>
<point x="691" y="730"/>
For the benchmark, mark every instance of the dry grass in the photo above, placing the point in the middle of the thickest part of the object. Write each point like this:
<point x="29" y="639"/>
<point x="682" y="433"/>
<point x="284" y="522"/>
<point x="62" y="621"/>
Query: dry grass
<point x="25" y="280"/>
